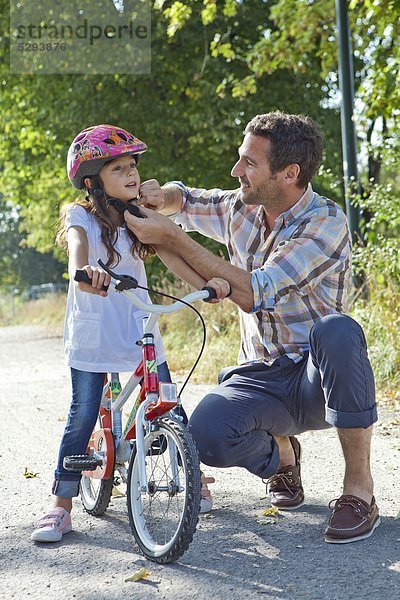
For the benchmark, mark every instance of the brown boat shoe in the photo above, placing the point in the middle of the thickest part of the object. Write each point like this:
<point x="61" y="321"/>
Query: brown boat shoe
<point x="352" y="519"/>
<point x="285" y="488"/>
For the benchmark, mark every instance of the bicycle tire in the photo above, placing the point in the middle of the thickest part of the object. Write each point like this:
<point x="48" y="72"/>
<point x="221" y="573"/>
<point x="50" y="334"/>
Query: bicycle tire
<point x="96" y="494"/>
<point x="163" y="521"/>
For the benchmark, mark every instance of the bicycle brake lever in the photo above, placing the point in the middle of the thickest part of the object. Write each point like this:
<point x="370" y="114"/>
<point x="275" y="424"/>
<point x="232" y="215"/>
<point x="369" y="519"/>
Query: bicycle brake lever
<point x="126" y="282"/>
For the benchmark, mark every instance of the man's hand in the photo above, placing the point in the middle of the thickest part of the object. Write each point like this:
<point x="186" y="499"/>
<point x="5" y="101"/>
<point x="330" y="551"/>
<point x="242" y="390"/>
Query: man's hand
<point x="221" y="287"/>
<point x="151" y="195"/>
<point x="154" y="229"/>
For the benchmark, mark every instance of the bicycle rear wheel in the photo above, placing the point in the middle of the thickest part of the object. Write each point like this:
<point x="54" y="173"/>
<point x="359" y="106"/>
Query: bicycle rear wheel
<point x="95" y="492"/>
<point x="163" y="517"/>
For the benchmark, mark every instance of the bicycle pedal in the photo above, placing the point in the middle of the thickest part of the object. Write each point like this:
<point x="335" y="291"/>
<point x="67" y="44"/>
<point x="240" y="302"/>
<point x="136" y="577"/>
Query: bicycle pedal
<point x="81" y="462"/>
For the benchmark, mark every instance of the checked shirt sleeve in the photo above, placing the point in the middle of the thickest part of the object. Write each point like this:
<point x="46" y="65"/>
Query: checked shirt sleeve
<point x="317" y="253"/>
<point x="205" y="211"/>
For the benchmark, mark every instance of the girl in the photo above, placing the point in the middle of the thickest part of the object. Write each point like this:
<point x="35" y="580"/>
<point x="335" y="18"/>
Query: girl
<point x="99" y="335"/>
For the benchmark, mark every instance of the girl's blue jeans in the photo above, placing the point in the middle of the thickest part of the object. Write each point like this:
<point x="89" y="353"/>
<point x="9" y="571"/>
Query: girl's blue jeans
<point x="87" y="390"/>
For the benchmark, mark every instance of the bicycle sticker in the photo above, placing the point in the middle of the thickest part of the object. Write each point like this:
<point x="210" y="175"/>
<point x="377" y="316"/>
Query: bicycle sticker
<point x="151" y="366"/>
<point x="115" y="389"/>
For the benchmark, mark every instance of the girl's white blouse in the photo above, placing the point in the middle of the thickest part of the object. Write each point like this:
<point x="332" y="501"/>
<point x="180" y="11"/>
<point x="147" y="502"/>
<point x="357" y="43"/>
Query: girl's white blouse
<point x="100" y="333"/>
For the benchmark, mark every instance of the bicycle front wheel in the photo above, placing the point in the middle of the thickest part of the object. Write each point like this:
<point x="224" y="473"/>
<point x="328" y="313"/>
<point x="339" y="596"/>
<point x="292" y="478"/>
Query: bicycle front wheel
<point x="163" y="517"/>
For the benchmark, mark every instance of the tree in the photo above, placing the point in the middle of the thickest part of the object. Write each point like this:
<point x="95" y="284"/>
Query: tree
<point x="21" y="266"/>
<point x="191" y="124"/>
<point x="299" y="37"/>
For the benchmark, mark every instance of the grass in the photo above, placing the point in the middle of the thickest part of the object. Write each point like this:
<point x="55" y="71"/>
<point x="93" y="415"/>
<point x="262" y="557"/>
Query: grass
<point x="47" y="312"/>
<point x="182" y="332"/>
<point x="377" y="310"/>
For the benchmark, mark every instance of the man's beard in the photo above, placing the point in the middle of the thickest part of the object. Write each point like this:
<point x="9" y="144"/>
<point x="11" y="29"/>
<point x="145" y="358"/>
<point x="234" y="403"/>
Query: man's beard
<point x="267" y="195"/>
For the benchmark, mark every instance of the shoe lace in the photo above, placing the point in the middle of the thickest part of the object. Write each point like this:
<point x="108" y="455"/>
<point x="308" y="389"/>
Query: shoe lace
<point x="279" y="480"/>
<point x="340" y="503"/>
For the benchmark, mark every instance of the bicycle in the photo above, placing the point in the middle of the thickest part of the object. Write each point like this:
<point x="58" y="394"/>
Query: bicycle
<point x="163" y="476"/>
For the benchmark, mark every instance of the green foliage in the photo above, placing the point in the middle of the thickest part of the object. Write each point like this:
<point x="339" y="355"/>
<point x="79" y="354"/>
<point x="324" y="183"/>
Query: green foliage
<point x="182" y="336"/>
<point x="177" y="15"/>
<point x="192" y="132"/>
<point x="21" y="266"/>
<point x="300" y="38"/>
<point x="216" y="63"/>
<point x="378" y="263"/>
<point x="378" y="311"/>
<point x="379" y="258"/>
<point x="295" y="35"/>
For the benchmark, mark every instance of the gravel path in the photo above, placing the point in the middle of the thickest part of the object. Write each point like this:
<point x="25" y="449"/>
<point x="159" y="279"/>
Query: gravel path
<point x="236" y="553"/>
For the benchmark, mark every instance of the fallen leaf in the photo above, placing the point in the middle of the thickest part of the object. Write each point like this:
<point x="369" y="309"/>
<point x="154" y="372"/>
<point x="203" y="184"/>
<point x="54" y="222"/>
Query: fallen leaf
<point x="29" y="474"/>
<point x="266" y="521"/>
<point x="116" y="493"/>
<point x="273" y="511"/>
<point x="138" y="575"/>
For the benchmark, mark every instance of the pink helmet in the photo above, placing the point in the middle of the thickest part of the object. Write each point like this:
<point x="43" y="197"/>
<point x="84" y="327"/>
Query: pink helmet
<point x="95" y="146"/>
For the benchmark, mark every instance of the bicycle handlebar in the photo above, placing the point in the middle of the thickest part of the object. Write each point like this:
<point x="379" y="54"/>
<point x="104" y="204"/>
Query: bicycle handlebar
<point x="127" y="283"/>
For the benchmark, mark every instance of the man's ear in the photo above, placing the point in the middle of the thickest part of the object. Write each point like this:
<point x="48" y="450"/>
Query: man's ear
<point x="292" y="174"/>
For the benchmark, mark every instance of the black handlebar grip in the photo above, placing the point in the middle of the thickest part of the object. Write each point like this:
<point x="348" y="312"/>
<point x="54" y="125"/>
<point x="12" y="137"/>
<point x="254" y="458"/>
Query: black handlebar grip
<point x="211" y="291"/>
<point x="82" y="276"/>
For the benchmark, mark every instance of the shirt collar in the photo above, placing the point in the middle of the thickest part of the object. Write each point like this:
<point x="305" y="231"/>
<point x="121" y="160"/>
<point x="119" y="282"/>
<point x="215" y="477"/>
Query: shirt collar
<point x="301" y="206"/>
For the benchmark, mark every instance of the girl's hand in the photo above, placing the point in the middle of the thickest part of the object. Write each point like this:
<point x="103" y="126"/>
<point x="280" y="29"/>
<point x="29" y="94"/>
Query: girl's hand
<point x="151" y="195"/>
<point x="221" y="287"/>
<point x="98" y="277"/>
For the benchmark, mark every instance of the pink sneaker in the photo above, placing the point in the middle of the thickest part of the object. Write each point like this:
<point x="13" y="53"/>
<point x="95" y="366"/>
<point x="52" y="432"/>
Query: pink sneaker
<point x="206" y="502"/>
<point x="52" y="526"/>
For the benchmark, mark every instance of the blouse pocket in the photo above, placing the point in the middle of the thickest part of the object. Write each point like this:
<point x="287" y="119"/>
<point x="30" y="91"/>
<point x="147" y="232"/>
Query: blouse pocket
<point x="86" y="329"/>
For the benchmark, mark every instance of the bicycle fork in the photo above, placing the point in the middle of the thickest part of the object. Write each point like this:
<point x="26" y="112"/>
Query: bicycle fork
<point x="142" y="425"/>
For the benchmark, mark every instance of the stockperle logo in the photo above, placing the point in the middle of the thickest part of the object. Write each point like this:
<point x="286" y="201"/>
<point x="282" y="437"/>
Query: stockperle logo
<point x="81" y="37"/>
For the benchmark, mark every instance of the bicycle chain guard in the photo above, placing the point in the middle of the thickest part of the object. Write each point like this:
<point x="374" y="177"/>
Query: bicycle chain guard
<point x="102" y="441"/>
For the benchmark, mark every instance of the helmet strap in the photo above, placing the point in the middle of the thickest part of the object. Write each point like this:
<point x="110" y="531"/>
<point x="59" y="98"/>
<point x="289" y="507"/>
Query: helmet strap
<point x="97" y="189"/>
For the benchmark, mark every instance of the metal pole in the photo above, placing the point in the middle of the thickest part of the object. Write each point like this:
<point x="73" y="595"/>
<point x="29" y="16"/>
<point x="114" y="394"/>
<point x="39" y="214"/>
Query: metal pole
<point x="349" y="142"/>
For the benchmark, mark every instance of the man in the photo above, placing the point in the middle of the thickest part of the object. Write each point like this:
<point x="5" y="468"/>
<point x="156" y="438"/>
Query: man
<point x="303" y="363"/>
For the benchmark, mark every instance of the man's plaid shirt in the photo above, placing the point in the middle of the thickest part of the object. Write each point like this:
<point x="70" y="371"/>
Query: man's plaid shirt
<point x="300" y="270"/>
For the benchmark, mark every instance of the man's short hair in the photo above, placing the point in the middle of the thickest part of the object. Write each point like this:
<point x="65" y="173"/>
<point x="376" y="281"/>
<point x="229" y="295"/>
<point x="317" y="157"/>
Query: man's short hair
<point x="294" y="139"/>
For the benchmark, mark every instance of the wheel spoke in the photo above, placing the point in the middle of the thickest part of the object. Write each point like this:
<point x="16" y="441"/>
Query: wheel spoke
<point x="159" y="514"/>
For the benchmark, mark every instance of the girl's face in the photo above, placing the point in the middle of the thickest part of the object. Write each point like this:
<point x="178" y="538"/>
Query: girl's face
<point x="120" y="178"/>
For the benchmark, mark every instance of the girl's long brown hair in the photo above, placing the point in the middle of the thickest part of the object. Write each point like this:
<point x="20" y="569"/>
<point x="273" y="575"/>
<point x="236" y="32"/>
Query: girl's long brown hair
<point x="96" y="205"/>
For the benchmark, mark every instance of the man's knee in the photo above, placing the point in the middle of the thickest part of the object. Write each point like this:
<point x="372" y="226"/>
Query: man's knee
<point x="211" y="433"/>
<point x="337" y="334"/>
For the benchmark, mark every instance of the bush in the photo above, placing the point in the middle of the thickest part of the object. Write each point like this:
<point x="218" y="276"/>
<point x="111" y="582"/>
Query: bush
<point x="377" y="263"/>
